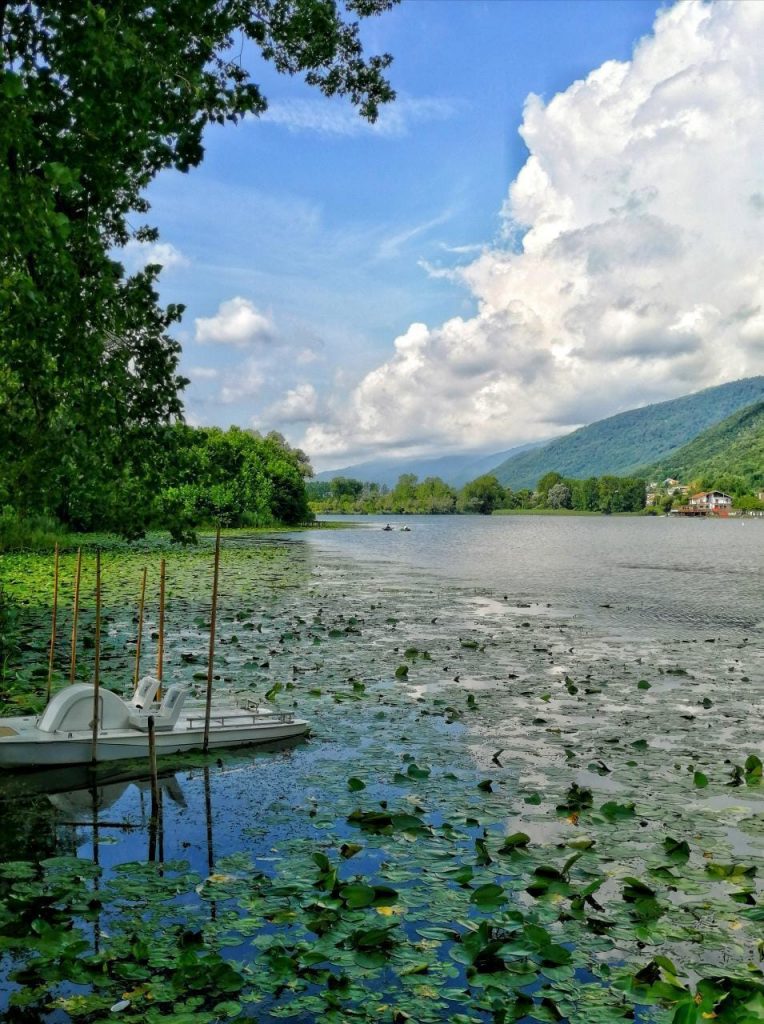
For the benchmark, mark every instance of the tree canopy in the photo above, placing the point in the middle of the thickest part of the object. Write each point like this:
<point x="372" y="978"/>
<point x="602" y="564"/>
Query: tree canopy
<point x="95" y="101"/>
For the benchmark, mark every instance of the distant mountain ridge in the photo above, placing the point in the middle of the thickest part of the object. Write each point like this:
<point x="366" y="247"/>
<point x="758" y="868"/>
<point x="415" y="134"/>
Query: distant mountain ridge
<point x="455" y="470"/>
<point x="730" y="449"/>
<point x="631" y="440"/>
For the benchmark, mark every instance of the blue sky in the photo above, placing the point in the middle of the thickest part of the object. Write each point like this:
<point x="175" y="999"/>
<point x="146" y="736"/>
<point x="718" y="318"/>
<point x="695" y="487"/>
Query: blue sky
<point x="308" y="241"/>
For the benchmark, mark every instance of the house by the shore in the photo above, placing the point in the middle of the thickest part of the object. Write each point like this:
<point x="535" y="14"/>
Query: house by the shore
<point x="711" y="501"/>
<point x="706" y="503"/>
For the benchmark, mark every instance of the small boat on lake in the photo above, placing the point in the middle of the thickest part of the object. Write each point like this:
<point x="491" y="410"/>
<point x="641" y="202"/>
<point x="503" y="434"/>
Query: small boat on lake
<point x="63" y="733"/>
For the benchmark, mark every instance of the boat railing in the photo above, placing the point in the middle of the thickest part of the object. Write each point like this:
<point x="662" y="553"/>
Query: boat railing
<point x="226" y="719"/>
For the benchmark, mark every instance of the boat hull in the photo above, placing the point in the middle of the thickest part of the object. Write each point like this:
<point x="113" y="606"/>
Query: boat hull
<point x="35" y="749"/>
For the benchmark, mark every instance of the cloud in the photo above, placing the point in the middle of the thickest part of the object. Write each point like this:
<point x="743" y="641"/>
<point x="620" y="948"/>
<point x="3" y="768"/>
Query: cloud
<point x="339" y="118"/>
<point x="137" y="255"/>
<point x="204" y="373"/>
<point x="298" y="405"/>
<point x="237" y="322"/>
<point x="630" y="267"/>
<point x="243" y="383"/>
<point x="390" y="247"/>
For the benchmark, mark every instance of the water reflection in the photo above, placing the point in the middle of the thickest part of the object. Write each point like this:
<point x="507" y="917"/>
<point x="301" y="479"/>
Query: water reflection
<point x="111" y="817"/>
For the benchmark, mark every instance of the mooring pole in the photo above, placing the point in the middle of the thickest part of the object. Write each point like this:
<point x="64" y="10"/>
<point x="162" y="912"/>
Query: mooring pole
<point x="97" y="667"/>
<point x="211" y="657"/>
<point x="160" y="647"/>
<point x="141" y="605"/>
<point x="52" y="649"/>
<point x="77" y="577"/>
<point x="153" y="770"/>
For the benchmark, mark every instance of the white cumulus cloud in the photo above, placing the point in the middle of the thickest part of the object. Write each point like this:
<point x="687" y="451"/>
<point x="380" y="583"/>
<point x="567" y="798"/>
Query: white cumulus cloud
<point x="298" y="405"/>
<point x="237" y="322"/>
<point x="137" y="255"/>
<point x="632" y="262"/>
<point x="243" y="383"/>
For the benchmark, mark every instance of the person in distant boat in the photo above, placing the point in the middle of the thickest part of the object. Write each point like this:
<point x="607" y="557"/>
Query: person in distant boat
<point x="405" y="529"/>
<point x="387" y="528"/>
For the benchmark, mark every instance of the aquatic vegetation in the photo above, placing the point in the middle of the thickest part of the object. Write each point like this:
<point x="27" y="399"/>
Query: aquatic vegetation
<point x="440" y="850"/>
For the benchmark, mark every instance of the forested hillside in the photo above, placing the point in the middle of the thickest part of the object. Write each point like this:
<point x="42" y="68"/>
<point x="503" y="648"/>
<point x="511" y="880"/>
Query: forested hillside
<point x="729" y="455"/>
<point x="623" y="443"/>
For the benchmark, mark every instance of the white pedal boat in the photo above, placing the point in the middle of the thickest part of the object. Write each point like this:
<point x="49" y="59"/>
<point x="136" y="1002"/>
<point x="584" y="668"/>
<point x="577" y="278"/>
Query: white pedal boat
<point x="63" y="733"/>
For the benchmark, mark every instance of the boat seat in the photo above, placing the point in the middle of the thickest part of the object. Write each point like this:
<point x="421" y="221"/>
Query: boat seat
<point x="167" y="715"/>
<point x="145" y="692"/>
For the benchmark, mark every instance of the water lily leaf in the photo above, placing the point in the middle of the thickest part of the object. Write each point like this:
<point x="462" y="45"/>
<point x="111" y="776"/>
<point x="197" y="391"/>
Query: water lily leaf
<point x="614" y="811"/>
<point x="677" y="851"/>
<point x="488" y="897"/>
<point x="357" y="895"/>
<point x="514" y="842"/>
<point x="753" y="770"/>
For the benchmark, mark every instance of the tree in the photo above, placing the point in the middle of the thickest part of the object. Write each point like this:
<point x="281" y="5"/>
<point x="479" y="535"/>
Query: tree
<point x="482" y="495"/>
<point x="233" y="476"/>
<point x="94" y="102"/>
<point x="403" y="495"/>
<point x="559" y="496"/>
<point x="344" y="487"/>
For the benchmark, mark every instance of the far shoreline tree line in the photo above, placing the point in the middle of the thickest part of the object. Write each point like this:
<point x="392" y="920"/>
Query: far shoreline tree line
<point x="484" y="495"/>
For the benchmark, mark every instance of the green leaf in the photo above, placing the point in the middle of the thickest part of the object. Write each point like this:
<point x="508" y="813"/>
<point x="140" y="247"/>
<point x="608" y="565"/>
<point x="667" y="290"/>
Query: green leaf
<point x="516" y="841"/>
<point x="488" y="897"/>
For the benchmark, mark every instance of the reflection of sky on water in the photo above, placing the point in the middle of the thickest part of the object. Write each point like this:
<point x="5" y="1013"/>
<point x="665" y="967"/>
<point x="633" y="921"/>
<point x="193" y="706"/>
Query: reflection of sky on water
<point x="651" y="574"/>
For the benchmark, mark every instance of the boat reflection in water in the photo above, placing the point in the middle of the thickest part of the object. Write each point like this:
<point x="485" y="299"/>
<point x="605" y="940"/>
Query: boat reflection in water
<point x="118" y="812"/>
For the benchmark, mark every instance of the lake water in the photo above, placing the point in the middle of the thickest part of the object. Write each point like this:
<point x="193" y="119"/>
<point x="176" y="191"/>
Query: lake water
<point x="646" y="574"/>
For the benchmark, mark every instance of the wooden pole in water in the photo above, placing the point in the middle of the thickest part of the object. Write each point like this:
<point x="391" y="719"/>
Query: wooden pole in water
<point x="77" y="577"/>
<point x="153" y="769"/>
<point x="53" y="623"/>
<point x="160" y="648"/>
<point x="211" y="658"/>
<point x="141" y="605"/>
<point x="97" y="668"/>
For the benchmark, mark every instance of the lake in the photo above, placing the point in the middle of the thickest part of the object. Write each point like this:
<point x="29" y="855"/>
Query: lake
<point x="657" y="574"/>
<point x="533" y="768"/>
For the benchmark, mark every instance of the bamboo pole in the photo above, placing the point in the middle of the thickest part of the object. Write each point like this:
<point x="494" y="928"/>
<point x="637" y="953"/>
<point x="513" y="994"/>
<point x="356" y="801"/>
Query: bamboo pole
<point x="141" y="605"/>
<point x="52" y="650"/>
<point x="211" y="658"/>
<point x="160" y="647"/>
<point x="153" y="769"/>
<point x="77" y="577"/>
<point x="154" y="819"/>
<point x="97" y="669"/>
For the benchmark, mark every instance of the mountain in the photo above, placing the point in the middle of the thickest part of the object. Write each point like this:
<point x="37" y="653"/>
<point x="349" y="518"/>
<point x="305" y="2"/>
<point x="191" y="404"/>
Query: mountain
<point x="732" y="448"/>
<point x="640" y="437"/>
<point x="456" y="470"/>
